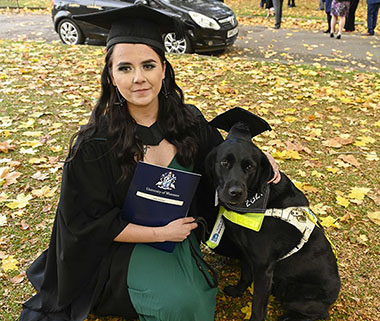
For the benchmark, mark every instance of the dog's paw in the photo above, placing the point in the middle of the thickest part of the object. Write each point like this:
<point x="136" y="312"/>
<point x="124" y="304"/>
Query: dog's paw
<point x="233" y="290"/>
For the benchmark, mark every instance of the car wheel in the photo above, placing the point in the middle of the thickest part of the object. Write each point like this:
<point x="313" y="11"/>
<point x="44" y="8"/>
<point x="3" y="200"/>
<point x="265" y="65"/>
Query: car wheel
<point x="174" y="45"/>
<point x="70" y="33"/>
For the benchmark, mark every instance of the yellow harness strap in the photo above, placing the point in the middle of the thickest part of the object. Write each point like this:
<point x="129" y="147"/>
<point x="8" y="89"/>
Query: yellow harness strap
<point x="300" y="217"/>
<point x="253" y="221"/>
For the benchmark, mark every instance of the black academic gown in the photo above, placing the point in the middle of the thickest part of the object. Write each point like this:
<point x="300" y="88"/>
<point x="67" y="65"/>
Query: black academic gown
<point x="83" y="269"/>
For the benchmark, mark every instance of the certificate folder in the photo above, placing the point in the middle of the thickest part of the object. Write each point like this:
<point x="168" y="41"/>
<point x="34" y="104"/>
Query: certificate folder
<point x="158" y="195"/>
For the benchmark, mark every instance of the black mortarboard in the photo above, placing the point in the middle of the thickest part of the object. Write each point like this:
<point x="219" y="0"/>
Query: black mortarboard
<point x="225" y="121"/>
<point x="136" y="23"/>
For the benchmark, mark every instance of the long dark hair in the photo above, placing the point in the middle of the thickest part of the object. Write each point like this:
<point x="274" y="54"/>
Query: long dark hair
<point x="176" y="120"/>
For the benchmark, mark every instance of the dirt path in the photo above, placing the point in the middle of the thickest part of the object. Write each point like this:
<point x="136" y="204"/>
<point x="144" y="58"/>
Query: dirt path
<point x="284" y="45"/>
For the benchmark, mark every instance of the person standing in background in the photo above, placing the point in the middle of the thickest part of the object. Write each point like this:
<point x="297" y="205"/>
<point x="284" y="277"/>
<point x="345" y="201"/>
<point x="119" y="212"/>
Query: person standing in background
<point x="328" y="10"/>
<point x="339" y="9"/>
<point x="277" y="4"/>
<point x="350" y="21"/>
<point x="291" y="3"/>
<point x="372" y="12"/>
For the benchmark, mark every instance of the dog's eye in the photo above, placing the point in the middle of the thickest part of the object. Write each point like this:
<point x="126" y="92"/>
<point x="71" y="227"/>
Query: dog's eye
<point x="249" y="167"/>
<point x="224" y="163"/>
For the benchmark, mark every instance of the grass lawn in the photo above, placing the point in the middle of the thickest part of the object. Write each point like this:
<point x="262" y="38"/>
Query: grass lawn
<point x="325" y="137"/>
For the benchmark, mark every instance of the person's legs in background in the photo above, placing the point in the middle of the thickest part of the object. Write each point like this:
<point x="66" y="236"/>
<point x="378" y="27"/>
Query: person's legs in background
<point x="291" y="3"/>
<point x="328" y="22"/>
<point x="342" y="21"/>
<point x="372" y="13"/>
<point x="332" y="25"/>
<point x="350" y="21"/>
<point x="277" y="4"/>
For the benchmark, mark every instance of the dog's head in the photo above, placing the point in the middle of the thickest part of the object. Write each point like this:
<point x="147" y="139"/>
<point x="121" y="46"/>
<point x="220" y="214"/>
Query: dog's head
<point x="237" y="167"/>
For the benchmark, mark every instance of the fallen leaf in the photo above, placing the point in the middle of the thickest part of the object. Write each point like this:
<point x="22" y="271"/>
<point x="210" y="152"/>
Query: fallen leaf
<point x="18" y="278"/>
<point x="44" y="192"/>
<point x="358" y="193"/>
<point x="9" y="263"/>
<point x="20" y="202"/>
<point x="342" y="201"/>
<point x="350" y="159"/>
<point x="247" y="310"/>
<point x="329" y="221"/>
<point x="374" y="217"/>
<point x="3" y="220"/>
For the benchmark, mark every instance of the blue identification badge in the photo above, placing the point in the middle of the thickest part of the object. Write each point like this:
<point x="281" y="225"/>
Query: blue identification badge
<point x="217" y="232"/>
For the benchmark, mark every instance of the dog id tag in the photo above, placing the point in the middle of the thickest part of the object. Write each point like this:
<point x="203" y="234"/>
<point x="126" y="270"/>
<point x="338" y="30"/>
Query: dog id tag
<point x="217" y="232"/>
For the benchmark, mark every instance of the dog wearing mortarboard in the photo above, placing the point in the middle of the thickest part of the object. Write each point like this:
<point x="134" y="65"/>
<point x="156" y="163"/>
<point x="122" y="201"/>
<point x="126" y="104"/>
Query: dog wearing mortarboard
<point x="284" y="250"/>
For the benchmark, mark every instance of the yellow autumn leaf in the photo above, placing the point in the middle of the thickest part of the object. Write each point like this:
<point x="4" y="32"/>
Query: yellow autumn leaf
<point x="9" y="263"/>
<point x="293" y="154"/>
<point x="316" y="132"/>
<point x="21" y="201"/>
<point x="329" y="221"/>
<point x="290" y="119"/>
<point x="342" y="201"/>
<point x="36" y="160"/>
<point x="32" y="134"/>
<point x="44" y="192"/>
<point x="358" y="193"/>
<point x="374" y="217"/>
<point x="317" y="174"/>
<point x="27" y="124"/>
<point x="247" y="310"/>
<point x="320" y="209"/>
<point x="56" y="149"/>
<point x="364" y="140"/>
<point x="32" y="143"/>
<point x="333" y="170"/>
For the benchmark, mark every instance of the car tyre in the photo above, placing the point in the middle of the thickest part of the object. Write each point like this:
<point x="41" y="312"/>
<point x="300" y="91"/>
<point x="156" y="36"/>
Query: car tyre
<point x="70" y="33"/>
<point x="174" y="45"/>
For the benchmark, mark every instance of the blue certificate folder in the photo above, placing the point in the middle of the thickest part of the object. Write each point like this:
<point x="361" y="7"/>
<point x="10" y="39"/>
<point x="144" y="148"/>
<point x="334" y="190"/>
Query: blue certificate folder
<point x="158" y="195"/>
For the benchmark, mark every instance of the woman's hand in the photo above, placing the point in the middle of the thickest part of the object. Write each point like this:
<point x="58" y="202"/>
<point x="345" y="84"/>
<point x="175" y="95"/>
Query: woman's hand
<point x="178" y="230"/>
<point x="276" y="169"/>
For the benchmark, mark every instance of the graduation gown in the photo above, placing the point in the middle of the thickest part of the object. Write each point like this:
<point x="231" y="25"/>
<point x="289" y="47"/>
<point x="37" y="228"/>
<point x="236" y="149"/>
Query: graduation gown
<point x="83" y="269"/>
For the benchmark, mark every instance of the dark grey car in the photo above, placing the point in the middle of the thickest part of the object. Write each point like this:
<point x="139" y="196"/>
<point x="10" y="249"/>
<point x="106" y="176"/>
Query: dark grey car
<point x="211" y="25"/>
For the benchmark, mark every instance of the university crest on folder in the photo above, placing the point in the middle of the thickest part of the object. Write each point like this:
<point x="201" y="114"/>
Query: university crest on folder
<point x="158" y="195"/>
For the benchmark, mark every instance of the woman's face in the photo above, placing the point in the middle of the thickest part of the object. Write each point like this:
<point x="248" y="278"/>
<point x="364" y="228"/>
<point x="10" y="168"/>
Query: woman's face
<point x="137" y="71"/>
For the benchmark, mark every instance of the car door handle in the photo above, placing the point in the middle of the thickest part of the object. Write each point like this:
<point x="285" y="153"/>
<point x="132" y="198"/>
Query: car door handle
<point x="95" y="7"/>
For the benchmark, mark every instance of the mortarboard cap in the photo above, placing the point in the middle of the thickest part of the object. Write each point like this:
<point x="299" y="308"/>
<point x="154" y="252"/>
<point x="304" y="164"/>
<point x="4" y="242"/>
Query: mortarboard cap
<point x="136" y="23"/>
<point x="225" y="121"/>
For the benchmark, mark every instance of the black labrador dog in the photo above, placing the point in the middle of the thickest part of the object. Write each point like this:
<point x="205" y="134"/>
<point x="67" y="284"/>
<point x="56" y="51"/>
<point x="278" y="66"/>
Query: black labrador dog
<point x="306" y="282"/>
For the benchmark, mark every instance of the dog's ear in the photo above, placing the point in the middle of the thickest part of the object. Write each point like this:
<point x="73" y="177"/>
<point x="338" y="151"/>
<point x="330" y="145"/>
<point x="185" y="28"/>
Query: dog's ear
<point x="210" y="164"/>
<point x="266" y="171"/>
<point x="239" y="131"/>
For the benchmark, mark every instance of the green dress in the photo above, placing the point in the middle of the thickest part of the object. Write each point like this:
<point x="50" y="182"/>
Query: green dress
<point x="169" y="286"/>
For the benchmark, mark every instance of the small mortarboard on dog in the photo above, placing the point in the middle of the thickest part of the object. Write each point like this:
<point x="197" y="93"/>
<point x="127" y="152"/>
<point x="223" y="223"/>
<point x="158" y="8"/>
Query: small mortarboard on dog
<point x="251" y="123"/>
<point x="137" y="23"/>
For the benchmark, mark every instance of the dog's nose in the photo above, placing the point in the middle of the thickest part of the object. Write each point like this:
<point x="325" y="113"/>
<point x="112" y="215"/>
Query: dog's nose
<point x="235" y="191"/>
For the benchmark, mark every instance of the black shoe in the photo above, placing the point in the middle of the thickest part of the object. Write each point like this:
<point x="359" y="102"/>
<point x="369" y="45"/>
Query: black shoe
<point x="331" y="35"/>
<point x="338" y="36"/>
<point x="326" y="31"/>
<point x="276" y="27"/>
